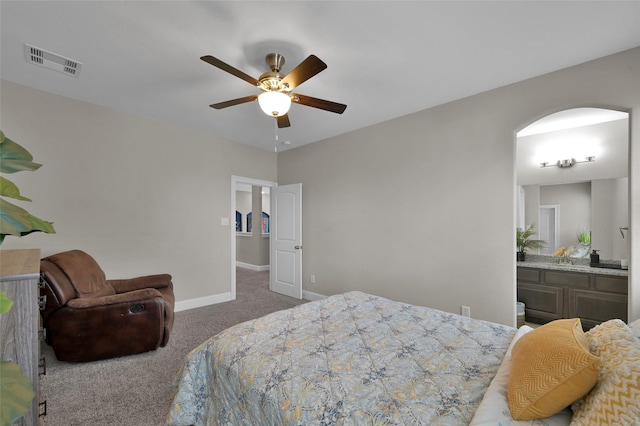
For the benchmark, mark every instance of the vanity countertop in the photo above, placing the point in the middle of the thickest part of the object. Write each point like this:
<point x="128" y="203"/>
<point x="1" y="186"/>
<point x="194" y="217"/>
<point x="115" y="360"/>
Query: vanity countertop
<point x="574" y="268"/>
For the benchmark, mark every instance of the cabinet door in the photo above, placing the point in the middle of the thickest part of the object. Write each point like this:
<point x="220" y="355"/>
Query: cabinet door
<point x="595" y="307"/>
<point x="543" y="303"/>
<point x="612" y="284"/>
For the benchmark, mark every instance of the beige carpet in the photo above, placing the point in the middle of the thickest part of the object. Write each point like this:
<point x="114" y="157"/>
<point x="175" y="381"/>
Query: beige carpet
<point x="136" y="390"/>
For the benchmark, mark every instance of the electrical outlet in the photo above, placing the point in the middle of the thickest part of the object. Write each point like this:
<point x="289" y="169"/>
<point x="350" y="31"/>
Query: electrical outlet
<point x="465" y="311"/>
<point x="313" y="279"/>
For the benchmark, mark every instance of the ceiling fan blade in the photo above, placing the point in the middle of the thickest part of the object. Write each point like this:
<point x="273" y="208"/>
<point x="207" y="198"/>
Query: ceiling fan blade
<point x="283" y="121"/>
<point x="304" y="71"/>
<point x="232" y="102"/>
<point x="318" y="103"/>
<point x="228" y="68"/>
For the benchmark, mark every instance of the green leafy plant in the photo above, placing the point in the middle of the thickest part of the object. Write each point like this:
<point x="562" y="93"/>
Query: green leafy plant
<point x="16" y="389"/>
<point x="524" y="241"/>
<point x="15" y="220"/>
<point x="584" y="237"/>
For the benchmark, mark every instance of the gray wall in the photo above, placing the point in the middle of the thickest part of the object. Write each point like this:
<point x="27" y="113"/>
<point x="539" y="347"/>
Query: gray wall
<point x="574" y="216"/>
<point x="532" y="206"/>
<point x="141" y="196"/>
<point x="609" y="213"/>
<point x="422" y="208"/>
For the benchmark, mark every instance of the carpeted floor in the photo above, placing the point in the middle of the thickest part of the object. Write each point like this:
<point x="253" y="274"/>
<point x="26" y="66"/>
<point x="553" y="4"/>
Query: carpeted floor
<point x="136" y="390"/>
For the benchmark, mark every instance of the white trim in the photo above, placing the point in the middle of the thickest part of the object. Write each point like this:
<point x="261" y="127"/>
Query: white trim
<point x="202" y="301"/>
<point x="258" y="268"/>
<point x="235" y="180"/>
<point x="309" y="295"/>
<point x="226" y="297"/>
<point x="556" y="217"/>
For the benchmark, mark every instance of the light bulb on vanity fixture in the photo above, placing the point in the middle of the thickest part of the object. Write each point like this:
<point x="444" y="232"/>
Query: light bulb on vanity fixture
<point x="563" y="164"/>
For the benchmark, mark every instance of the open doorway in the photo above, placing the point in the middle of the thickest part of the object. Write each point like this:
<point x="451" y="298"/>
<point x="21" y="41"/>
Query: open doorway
<point x="247" y="226"/>
<point x="252" y="223"/>
<point x="578" y="159"/>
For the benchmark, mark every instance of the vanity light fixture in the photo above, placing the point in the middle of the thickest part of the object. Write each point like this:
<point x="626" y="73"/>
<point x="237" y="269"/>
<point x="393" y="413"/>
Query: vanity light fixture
<point x="568" y="163"/>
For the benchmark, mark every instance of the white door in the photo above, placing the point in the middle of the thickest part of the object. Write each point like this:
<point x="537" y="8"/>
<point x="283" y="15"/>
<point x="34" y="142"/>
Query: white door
<point x="286" y="240"/>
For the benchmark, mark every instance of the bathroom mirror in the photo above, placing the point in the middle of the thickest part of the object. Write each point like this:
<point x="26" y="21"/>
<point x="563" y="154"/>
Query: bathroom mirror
<point x="572" y="176"/>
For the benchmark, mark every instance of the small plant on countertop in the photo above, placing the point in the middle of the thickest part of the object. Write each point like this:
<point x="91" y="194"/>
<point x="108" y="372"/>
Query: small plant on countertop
<point x="584" y="237"/>
<point x="524" y="241"/>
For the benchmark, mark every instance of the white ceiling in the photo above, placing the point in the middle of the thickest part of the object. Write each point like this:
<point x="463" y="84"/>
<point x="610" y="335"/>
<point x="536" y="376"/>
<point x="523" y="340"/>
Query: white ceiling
<point x="385" y="58"/>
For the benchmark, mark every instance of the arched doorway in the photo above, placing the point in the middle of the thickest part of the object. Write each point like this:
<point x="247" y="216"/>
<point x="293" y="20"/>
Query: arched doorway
<point x="577" y="160"/>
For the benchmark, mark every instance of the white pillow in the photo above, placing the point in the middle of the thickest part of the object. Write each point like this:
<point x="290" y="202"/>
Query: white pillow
<point x="635" y="328"/>
<point x="494" y="408"/>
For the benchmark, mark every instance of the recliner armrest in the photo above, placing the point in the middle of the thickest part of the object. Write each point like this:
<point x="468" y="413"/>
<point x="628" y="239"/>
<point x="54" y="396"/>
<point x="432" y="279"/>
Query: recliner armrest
<point x="148" y="281"/>
<point x="129" y="297"/>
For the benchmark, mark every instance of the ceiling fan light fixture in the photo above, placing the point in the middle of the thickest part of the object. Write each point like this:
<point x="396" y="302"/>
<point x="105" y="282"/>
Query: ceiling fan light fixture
<point x="274" y="104"/>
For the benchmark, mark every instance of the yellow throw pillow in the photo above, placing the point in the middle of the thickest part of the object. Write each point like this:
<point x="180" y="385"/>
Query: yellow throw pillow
<point x="615" y="400"/>
<point x="551" y="368"/>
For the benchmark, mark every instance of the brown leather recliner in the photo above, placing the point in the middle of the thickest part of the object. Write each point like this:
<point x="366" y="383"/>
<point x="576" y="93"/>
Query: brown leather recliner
<point x="88" y="317"/>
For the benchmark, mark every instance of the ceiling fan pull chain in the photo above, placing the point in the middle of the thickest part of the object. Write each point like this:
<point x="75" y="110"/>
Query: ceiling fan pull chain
<point x="275" y="122"/>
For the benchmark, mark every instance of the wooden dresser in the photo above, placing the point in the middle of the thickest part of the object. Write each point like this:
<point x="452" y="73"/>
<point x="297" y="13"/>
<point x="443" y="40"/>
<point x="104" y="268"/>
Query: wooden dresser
<point x="20" y="327"/>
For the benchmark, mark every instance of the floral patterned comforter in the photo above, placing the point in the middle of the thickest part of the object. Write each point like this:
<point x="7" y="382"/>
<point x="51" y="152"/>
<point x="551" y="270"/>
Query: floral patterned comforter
<point x="349" y="359"/>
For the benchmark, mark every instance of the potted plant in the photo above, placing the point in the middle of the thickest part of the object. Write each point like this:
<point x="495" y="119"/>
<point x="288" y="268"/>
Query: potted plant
<point x="525" y="242"/>
<point x="584" y="237"/>
<point x="15" y="220"/>
<point x="16" y="389"/>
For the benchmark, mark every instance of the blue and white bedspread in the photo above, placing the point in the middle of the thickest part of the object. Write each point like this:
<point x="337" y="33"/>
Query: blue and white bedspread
<point x="349" y="359"/>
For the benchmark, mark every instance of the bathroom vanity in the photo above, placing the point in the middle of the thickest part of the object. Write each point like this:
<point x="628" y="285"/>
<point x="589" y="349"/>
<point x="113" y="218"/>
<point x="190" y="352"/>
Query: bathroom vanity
<point x="554" y="291"/>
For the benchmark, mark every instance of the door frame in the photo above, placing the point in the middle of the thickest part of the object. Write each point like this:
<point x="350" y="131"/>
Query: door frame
<point x="235" y="180"/>
<point x="556" y="219"/>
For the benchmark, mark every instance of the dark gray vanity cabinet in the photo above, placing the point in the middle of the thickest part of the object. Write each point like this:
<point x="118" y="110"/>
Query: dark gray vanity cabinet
<point x="551" y="294"/>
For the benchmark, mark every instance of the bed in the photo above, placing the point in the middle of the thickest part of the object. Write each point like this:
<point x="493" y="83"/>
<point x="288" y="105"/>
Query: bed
<point x="352" y="359"/>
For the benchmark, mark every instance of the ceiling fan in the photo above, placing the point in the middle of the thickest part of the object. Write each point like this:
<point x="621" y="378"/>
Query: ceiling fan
<point x="276" y="96"/>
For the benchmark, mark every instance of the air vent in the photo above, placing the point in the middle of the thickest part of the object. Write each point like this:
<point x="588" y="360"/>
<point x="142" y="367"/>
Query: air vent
<point x="52" y="61"/>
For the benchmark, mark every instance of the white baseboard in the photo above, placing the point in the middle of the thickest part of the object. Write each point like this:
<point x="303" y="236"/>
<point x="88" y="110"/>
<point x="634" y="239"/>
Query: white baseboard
<point x="253" y="267"/>
<point x="202" y="301"/>
<point x="308" y="295"/>
<point x="226" y="297"/>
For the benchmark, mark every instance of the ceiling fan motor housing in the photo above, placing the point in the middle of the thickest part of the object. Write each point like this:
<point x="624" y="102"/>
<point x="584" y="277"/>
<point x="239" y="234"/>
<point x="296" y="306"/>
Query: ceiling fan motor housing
<point x="275" y="61"/>
<point x="270" y="81"/>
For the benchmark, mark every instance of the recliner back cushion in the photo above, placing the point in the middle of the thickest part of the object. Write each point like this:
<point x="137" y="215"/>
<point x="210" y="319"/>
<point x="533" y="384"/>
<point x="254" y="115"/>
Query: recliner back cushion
<point x="84" y="273"/>
<point x="58" y="287"/>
